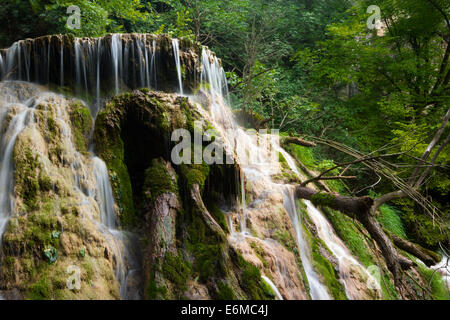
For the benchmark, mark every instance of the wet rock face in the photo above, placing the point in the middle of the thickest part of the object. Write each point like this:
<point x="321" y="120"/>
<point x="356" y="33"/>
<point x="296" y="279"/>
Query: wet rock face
<point x="99" y="67"/>
<point x="186" y="253"/>
<point x="54" y="225"/>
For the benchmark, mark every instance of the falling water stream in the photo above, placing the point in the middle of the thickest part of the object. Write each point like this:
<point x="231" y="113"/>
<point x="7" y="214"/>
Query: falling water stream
<point x="176" y="53"/>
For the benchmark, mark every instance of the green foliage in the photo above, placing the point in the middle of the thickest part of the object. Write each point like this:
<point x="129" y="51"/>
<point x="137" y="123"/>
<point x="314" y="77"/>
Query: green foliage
<point x="51" y="254"/>
<point x="390" y="219"/>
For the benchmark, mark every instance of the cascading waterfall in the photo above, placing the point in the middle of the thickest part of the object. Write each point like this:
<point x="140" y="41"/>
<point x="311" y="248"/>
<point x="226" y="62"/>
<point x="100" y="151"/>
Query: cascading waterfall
<point x="318" y="290"/>
<point x="214" y="76"/>
<point x="8" y="139"/>
<point x="176" y="53"/>
<point x="274" y="288"/>
<point x="93" y="68"/>
<point x="85" y="76"/>
<point x="105" y="199"/>
<point x="116" y="54"/>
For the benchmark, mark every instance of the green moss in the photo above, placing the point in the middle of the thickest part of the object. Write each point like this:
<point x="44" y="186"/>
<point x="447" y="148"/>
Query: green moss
<point x="209" y="260"/>
<point x="225" y="292"/>
<point x="252" y="283"/>
<point x="349" y="233"/>
<point x="40" y="290"/>
<point x="195" y="174"/>
<point x="45" y="183"/>
<point x="26" y="178"/>
<point x="438" y="287"/>
<point x="177" y="270"/>
<point x="218" y="215"/>
<point x="322" y="199"/>
<point x="155" y="292"/>
<point x="325" y="269"/>
<point x="81" y="126"/>
<point x="259" y="252"/>
<point x="354" y="239"/>
<point x="158" y="180"/>
<point x="303" y="154"/>
<point x="269" y="293"/>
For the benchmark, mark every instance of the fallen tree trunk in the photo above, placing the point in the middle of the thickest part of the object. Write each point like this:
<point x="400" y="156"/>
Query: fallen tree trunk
<point x="298" y="141"/>
<point x="427" y="257"/>
<point x="360" y="209"/>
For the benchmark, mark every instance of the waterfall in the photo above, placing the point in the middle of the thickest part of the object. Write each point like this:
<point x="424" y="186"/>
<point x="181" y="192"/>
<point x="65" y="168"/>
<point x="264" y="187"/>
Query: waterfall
<point x="119" y="62"/>
<point x="213" y="81"/>
<point x="176" y="53"/>
<point x="334" y="243"/>
<point x="274" y="288"/>
<point x="108" y="218"/>
<point x="95" y="68"/>
<point x="61" y="65"/>
<point x="317" y="289"/>
<point x="253" y="168"/>
<point x="116" y="54"/>
<point x="8" y="139"/>
<point x="153" y="64"/>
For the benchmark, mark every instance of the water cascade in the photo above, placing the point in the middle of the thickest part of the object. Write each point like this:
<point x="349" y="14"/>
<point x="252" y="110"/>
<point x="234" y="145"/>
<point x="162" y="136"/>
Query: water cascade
<point x="122" y="240"/>
<point x="176" y="53"/>
<point x="11" y="130"/>
<point x="96" y="68"/>
<point x="274" y="288"/>
<point x="214" y="75"/>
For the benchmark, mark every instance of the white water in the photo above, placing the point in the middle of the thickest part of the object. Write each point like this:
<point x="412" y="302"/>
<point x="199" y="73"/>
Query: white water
<point x="176" y="52"/>
<point x="328" y="235"/>
<point x="317" y="290"/>
<point x="8" y="139"/>
<point x="443" y="267"/>
<point x="108" y="218"/>
<point x="256" y="162"/>
<point x="274" y="288"/>
<point x="116" y="54"/>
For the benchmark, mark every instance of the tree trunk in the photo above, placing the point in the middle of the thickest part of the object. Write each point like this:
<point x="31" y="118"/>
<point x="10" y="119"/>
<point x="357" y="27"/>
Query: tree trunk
<point x="427" y="257"/>
<point x="299" y="141"/>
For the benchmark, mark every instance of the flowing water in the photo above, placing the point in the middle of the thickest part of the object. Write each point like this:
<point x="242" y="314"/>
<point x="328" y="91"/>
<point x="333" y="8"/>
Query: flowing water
<point x="274" y="288"/>
<point x="257" y="166"/>
<point x="176" y="53"/>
